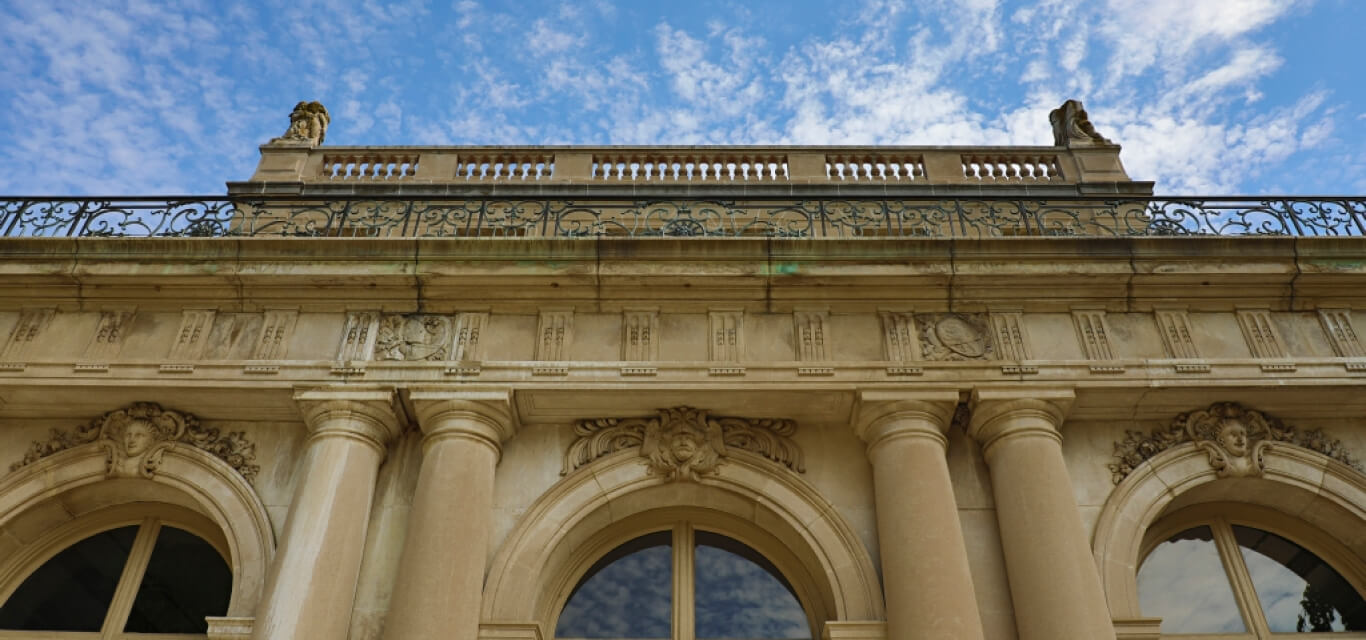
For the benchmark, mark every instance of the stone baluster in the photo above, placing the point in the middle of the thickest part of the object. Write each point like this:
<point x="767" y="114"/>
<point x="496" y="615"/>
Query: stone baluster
<point x="441" y="571"/>
<point x="1054" y="582"/>
<point x="926" y="578"/>
<point x="311" y="588"/>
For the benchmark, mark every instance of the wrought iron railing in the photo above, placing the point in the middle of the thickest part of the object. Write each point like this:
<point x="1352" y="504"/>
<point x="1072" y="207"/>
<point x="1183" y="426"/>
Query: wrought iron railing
<point x="195" y="216"/>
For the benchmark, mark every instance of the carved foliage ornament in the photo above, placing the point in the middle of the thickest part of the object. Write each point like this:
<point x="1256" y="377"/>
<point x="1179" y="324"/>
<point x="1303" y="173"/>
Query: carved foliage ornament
<point x="684" y="443"/>
<point x="136" y="438"/>
<point x="1234" y="437"/>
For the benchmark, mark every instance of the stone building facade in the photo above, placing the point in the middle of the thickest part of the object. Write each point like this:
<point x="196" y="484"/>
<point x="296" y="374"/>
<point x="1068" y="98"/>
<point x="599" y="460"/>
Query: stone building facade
<point x="414" y="392"/>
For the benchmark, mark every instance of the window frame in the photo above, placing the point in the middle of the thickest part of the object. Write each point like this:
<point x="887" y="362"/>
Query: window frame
<point x="149" y="518"/>
<point x="1220" y="517"/>
<point x="683" y="542"/>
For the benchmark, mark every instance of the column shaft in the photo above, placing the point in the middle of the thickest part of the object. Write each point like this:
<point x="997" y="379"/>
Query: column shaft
<point x="926" y="577"/>
<point x="311" y="588"/>
<point x="1054" y="582"/>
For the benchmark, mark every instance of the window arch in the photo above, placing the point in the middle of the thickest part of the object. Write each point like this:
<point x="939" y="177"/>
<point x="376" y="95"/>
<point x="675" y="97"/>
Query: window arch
<point x="685" y="582"/>
<point x="1243" y="571"/>
<point x="144" y="569"/>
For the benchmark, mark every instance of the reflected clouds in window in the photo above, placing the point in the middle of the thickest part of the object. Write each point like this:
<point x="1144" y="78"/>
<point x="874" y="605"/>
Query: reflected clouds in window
<point x="1298" y="591"/>
<point x="740" y="594"/>
<point x="1183" y="582"/>
<point x="626" y="594"/>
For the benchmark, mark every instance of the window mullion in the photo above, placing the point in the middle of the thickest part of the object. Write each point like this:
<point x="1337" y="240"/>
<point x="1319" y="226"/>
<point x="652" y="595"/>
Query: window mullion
<point x="1238" y="576"/>
<point x="131" y="579"/>
<point x="684" y="557"/>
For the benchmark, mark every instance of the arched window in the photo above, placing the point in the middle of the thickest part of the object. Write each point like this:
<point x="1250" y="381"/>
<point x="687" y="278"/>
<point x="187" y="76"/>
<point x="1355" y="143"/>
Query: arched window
<point x="682" y="584"/>
<point x="1227" y="576"/>
<point x="145" y="578"/>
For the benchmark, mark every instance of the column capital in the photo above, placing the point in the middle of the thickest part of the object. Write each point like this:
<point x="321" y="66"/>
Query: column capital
<point x="366" y="414"/>
<point x="881" y="416"/>
<point x="482" y="415"/>
<point x="1003" y="413"/>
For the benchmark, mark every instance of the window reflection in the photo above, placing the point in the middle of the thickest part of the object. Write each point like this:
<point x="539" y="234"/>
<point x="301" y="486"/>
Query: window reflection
<point x="1298" y="591"/>
<point x="740" y="594"/>
<point x="72" y="591"/>
<point x="185" y="581"/>
<point x="1183" y="582"/>
<point x="626" y="594"/>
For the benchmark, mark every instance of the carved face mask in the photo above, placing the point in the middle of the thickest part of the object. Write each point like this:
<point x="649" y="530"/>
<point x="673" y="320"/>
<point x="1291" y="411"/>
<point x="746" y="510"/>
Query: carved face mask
<point x="1234" y="438"/>
<point x="137" y="438"/>
<point x="684" y="446"/>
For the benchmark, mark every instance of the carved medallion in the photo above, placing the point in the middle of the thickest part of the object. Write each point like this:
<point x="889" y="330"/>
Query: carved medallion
<point x="953" y="336"/>
<point x="684" y="443"/>
<point x="136" y="438"/>
<point x="413" y="337"/>
<point x="1234" y="437"/>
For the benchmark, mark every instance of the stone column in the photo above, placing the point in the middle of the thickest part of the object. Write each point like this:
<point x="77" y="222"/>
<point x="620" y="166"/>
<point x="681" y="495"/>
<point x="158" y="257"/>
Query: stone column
<point x="925" y="572"/>
<point x="1054" y="582"/>
<point x="441" y="572"/>
<point x="311" y="588"/>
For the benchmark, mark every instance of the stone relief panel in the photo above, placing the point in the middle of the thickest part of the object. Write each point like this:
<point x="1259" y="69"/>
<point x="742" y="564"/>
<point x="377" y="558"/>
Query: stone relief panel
<point x="727" y="330"/>
<point x="109" y="334"/>
<point x="809" y="330"/>
<point x="1337" y="324"/>
<point x="640" y="335"/>
<point x="684" y="443"/>
<point x="468" y="326"/>
<point x="556" y="331"/>
<point x="31" y="324"/>
<point x="1093" y="333"/>
<point x="1011" y="340"/>
<point x="899" y="341"/>
<point x="193" y="334"/>
<point x="358" y="338"/>
<point x="1234" y="437"/>
<point x="954" y="336"/>
<point x="136" y="438"/>
<point x="276" y="330"/>
<point x="413" y="337"/>
<point x="1175" y="327"/>
<point x="1263" y="340"/>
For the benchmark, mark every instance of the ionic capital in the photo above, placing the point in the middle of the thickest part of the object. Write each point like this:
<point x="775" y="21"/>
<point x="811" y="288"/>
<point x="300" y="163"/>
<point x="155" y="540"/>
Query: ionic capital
<point x="1002" y="414"/>
<point x="482" y="416"/>
<point x="883" y="416"/>
<point x="366" y="415"/>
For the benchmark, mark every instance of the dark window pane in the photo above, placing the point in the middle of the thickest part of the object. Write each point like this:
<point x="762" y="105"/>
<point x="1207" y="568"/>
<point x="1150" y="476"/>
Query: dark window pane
<point x="740" y="594"/>
<point x="1183" y="582"/>
<point x="626" y="594"/>
<point x="72" y="591"/>
<point x="1298" y="591"/>
<point x="186" y="580"/>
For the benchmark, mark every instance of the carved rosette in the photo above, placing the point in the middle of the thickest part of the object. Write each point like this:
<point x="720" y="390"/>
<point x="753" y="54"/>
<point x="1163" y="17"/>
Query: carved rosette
<point x="136" y="438"/>
<point x="1234" y="437"/>
<point x="684" y="443"/>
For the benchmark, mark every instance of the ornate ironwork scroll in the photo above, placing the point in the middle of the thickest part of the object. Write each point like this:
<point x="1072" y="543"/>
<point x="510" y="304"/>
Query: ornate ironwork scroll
<point x="683" y="442"/>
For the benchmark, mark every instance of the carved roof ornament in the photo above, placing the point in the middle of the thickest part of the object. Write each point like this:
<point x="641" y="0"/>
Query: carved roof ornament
<point x="136" y="438"/>
<point x="1234" y="437"/>
<point x="1072" y="128"/>
<point x="684" y="443"/>
<point x="307" y="125"/>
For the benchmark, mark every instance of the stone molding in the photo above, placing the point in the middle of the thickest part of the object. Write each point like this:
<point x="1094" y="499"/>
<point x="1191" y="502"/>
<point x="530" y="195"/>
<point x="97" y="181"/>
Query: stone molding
<point x="727" y="330"/>
<point x="358" y="336"/>
<point x="1234" y="437"/>
<point x="109" y="333"/>
<point x="640" y="335"/>
<point x="683" y="443"/>
<point x="882" y="416"/>
<point x="1012" y="342"/>
<point x="483" y="416"/>
<point x="366" y="415"/>
<point x="1175" y="327"/>
<point x="809" y="329"/>
<point x="191" y="338"/>
<point x="136" y="438"/>
<point x="900" y="341"/>
<point x="1262" y="337"/>
<point x="555" y="333"/>
<point x="276" y="329"/>
<point x="1337" y="325"/>
<point x="999" y="414"/>
<point x="1093" y="333"/>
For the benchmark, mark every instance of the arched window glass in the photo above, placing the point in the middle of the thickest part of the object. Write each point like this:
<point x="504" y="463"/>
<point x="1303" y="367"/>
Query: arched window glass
<point x="1226" y="578"/>
<point x="635" y="591"/>
<point x="145" y="579"/>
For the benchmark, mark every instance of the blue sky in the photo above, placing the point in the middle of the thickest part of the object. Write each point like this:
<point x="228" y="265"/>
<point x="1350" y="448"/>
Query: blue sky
<point x="1207" y="96"/>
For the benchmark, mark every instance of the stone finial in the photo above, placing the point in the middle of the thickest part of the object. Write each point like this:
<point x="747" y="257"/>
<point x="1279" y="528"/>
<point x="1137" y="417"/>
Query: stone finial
<point x="1072" y="128"/>
<point x="307" y="124"/>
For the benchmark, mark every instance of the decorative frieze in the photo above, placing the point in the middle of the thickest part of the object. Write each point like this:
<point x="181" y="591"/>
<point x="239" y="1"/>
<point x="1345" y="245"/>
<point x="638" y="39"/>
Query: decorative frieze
<point x="899" y="341"/>
<point x="684" y="443"/>
<point x="136" y="438"/>
<point x="556" y="331"/>
<point x="193" y="334"/>
<point x="640" y="335"/>
<point x="413" y="337"/>
<point x="31" y="324"/>
<point x="1234" y="437"/>
<point x="109" y="334"/>
<point x="954" y="336"/>
<point x="1093" y="333"/>
<point x="1175" y="327"/>
<point x="468" y="327"/>
<point x="1012" y="343"/>
<point x="809" y="331"/>
<point x="1262" y="338"/>
<point x="727" y="330"/>
<point x="1337" y="324"/>
<point x="358" y="336"/>
<point x="276" y="330"/>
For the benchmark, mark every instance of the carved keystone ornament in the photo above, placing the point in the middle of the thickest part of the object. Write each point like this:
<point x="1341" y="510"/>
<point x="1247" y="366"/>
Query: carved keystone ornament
<point x="684" y="443"/>
<point x="1234" y="437"/>
<point x="136" y="438"/>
